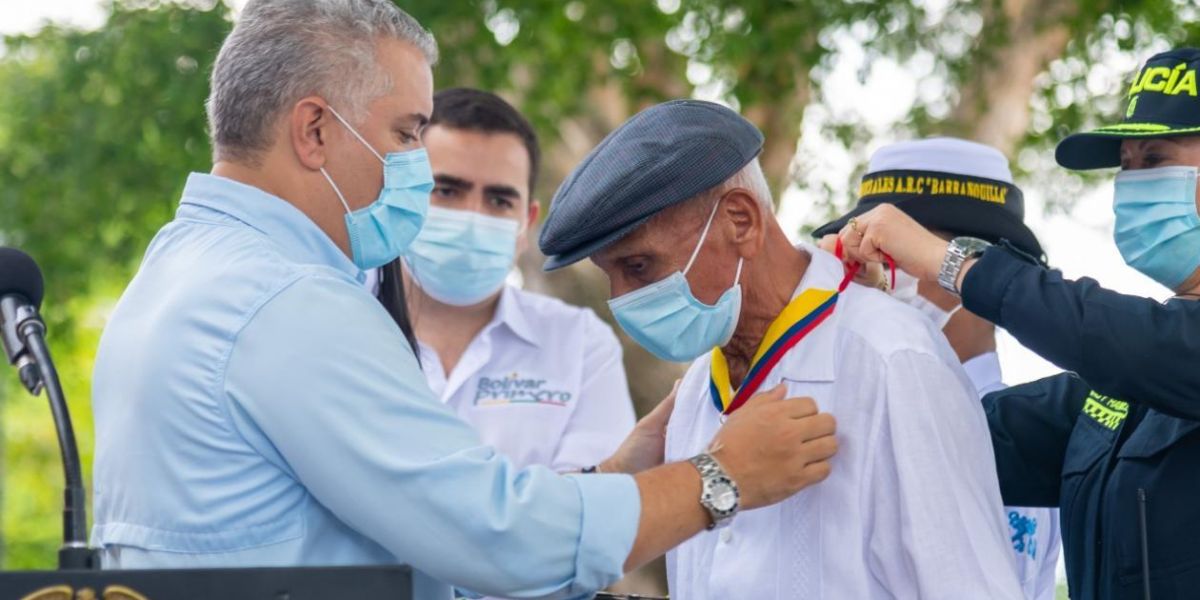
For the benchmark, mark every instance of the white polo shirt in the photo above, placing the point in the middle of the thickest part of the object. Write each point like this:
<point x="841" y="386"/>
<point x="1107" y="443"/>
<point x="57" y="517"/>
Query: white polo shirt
<point x="1034" y="532"/>
<point x="542" y="382"/>
<point x="912" y="507"/>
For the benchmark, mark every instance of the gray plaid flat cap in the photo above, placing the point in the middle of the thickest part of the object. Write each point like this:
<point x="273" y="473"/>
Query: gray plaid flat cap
<point x="662" y="156"/>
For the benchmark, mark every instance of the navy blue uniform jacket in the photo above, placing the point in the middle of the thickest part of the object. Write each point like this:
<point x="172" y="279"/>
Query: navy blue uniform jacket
<point x="1124" y="418"/>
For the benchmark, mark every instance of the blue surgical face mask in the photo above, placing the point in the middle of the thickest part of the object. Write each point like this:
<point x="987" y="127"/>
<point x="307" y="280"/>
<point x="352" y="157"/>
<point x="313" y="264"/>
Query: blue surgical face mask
<point x="462" y="257"/>
<point x="667" y="319"/>
<point x="1157" y="227"/>
<point x="380" y="231"/>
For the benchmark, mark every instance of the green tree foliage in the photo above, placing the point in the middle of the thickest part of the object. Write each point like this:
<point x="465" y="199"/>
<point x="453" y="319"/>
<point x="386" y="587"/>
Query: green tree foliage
<point x="1023" y="74"/>
<point x="98" y="130"/>
<point x="579" y="68"/>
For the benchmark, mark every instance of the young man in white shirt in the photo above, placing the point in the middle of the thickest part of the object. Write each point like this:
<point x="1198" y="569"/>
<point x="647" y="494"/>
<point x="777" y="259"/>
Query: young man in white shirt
<point x="674" y="208"/>
<point x="1034" y="531"/>
<point x="540" y="380"/>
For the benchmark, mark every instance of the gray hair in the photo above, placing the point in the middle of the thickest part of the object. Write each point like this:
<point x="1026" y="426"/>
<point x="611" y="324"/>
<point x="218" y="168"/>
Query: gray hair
<point x="749" y="178"/>
<point x="283" y="50"/>
<point x="702" y="205"/>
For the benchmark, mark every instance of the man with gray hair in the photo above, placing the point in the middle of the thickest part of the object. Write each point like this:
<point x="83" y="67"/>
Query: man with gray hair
<point x="254" y="404"/>
<point x="673" y="207"/>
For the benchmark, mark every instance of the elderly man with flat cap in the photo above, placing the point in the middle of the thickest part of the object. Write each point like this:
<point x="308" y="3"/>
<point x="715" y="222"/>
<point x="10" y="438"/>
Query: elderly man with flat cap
<point x="960" y="188"/>
<point x="674" y="208"/>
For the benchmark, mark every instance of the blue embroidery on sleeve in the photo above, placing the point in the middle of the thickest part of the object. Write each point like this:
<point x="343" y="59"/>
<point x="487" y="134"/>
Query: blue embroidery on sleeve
<point x="1024" y="531"/>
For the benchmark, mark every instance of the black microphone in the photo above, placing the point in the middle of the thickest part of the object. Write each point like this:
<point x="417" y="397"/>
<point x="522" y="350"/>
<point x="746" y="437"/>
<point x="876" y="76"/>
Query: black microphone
<point x="25" y="344"/>
<point x="20" y="296"/>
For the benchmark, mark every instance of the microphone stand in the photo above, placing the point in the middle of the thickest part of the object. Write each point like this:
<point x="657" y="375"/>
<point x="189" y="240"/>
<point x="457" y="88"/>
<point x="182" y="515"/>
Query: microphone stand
<point x="74" y="553"/>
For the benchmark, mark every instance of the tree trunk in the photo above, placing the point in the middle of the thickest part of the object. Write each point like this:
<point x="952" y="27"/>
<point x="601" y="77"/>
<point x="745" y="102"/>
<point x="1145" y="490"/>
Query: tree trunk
<point x="993" y="106"/>
<point x="780" y="123"/>
<point x="583" y="284"/>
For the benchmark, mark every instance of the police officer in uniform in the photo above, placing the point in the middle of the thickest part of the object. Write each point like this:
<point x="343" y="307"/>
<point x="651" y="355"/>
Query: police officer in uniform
<point x="1114" y="441"/>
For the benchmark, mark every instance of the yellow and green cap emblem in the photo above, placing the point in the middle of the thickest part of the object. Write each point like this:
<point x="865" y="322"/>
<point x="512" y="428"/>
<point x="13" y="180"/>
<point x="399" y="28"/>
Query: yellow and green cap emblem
<point x="1163" y="100"/>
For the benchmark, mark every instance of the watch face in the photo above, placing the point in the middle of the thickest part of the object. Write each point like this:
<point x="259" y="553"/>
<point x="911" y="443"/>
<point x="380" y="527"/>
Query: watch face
<point x="972" y="246"/>
<point x="724" y="497"/>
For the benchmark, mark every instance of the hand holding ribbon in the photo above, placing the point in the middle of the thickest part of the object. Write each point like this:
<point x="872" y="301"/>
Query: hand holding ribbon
<point x="874" y="277"/>
<point x="886" y="234"/>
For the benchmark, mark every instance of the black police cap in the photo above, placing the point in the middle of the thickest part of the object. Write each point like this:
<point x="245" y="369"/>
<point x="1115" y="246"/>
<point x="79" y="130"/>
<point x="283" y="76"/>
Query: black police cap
<point x="1163" y="101"/>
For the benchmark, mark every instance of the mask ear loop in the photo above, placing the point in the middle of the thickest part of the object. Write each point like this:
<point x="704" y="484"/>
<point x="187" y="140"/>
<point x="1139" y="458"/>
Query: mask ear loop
<point x="360" y="139"/>
<point x="523" y="225"/>
<point x="336" y="191"/>
<point x="355" y="134"/>
<point x="704" y="234"/>
<point x="700" y="244"/>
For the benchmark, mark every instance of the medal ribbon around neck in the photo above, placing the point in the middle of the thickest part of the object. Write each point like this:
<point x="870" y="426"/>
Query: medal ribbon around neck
<point x="799" y="318"/>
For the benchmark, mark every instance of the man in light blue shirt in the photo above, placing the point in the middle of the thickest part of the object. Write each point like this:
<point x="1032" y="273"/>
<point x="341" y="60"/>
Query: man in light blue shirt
<point x="256" y="406"/>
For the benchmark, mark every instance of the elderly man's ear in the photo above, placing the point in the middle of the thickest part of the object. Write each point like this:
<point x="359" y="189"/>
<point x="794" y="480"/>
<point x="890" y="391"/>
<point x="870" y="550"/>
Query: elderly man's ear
<point x="748" y="218"/>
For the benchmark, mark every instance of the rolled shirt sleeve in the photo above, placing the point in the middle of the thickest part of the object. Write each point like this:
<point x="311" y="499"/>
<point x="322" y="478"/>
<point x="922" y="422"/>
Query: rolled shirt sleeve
<point x="341" y="405"/>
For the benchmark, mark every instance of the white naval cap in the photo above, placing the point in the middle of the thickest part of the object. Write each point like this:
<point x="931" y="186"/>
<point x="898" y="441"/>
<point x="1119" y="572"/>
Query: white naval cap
<point x="946" y="184"/>
<point x="945" y="155"/>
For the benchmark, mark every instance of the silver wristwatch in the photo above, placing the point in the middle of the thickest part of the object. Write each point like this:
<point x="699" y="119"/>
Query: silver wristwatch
<point x="718" y="493"/>
<point x="957" y="253"/>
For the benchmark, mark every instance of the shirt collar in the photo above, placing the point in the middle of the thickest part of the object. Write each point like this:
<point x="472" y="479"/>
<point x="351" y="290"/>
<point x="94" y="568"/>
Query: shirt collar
<point x="984" y="371"/>
<point x="812" y="359"/>
<point x="824" y="271"/>
<point x="509" y="312"/>
<point x="286" y="226"/>
<point x="512" y="313"/>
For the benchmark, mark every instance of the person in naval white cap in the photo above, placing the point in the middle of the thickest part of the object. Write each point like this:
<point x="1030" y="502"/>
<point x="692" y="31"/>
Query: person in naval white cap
<point x="974" y="196"/>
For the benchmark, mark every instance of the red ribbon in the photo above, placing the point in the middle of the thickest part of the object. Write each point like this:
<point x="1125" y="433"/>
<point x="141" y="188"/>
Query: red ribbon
<point x="852" y="267"/>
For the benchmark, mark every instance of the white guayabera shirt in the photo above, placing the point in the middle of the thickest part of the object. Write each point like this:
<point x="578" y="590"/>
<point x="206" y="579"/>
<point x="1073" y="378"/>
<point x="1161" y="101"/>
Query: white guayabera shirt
<point x="912" y="507"/>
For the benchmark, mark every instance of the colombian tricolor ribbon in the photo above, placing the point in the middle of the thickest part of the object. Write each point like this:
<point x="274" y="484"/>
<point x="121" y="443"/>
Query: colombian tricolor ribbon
<point x="802" y="315"/>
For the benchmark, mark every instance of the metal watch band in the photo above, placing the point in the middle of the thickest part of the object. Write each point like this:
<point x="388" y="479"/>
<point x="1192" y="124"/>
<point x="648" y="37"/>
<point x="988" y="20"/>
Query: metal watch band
<point x="707" y="466"/>
<point x="957" y="253"/>
<point x="712" y="478"/>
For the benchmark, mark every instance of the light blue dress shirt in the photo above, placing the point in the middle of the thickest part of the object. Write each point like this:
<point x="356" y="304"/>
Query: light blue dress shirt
<point x="255" y="405"/>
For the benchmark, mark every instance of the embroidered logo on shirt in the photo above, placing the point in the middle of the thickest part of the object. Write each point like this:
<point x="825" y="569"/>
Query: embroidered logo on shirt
<point x="1024" y="530"/>
<point x="1106" y="411"/>
<point x="514" y="389"/>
